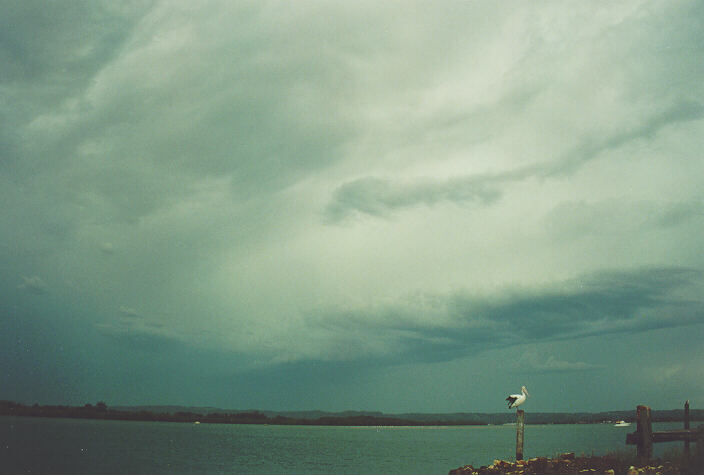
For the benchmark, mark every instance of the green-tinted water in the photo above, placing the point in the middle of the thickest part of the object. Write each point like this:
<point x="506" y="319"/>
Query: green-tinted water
<point x="31" y="445"/>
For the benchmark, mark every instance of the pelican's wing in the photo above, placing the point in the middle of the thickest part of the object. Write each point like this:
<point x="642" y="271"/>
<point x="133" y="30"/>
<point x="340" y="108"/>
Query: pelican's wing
<point x="511" y="399"/>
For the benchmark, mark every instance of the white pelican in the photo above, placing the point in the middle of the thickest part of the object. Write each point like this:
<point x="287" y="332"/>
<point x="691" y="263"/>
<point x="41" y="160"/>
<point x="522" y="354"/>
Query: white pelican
<point x="517" y="399"/>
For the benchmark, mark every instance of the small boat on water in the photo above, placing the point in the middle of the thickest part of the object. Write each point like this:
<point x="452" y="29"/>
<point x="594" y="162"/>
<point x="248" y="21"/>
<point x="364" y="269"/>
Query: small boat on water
<point x="622" y="424"/>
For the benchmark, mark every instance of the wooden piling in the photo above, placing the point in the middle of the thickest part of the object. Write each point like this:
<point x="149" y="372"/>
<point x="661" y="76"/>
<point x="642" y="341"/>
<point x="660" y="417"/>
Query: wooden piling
<point x="520" y="422"/>
<point x="644" y="430"/>
<point x="686" y="426"/>
<point x="644" y="437"/>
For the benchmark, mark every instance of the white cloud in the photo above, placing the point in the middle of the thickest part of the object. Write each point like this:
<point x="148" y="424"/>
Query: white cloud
<point x="34" y="285"/>
<point x="130" y="312"/>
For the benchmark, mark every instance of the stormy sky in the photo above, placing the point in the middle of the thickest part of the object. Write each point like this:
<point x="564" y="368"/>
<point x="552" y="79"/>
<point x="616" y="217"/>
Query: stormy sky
<point x="395" y="206"/>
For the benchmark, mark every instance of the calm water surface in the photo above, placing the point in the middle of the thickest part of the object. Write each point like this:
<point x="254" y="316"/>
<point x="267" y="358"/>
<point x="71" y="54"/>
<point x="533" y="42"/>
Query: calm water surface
<point x="36" y="445"/>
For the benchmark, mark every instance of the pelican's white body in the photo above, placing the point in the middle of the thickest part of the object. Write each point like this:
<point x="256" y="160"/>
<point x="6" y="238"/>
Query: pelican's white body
<point x="515" y="400"/>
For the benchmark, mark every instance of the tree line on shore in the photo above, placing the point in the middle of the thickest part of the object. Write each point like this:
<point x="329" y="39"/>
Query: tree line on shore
<point x="100" y="410"/>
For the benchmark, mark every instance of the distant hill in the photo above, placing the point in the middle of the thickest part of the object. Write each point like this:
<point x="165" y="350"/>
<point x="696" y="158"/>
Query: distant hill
<point x="496" y="418"/>
<point x="291" y="414"/>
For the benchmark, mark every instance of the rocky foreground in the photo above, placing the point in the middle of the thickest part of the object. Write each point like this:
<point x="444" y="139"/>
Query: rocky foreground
<point x="568" y="463"/>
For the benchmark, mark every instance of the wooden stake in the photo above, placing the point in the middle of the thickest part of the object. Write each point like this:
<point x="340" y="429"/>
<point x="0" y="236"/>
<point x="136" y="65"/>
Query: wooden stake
<point x="644" y="430"/>
<point x="520" y="420"/>
<point x="686" y="426"/>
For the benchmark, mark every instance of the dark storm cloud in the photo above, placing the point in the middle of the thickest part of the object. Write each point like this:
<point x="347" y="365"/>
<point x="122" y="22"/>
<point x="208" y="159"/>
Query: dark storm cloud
<point x="164" y="166"/>
<point x="454" y="325"/>
<point x="120" y="109"/>
<point x="40" y="40"/>
<point x="597" y="304"/>
<point x="50" y="51"/>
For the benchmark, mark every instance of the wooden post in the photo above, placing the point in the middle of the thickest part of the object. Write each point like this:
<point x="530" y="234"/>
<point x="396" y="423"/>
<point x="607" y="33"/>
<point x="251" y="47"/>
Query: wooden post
<point x="644" y="430"/>
<point x="520" y="421"/>
<point x="686" y="426"/>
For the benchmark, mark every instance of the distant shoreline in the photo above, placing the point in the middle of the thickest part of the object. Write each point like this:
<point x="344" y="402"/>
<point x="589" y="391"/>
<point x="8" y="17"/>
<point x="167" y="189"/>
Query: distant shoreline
<point x="101" y="411"/>
<point x="254" y="417"/>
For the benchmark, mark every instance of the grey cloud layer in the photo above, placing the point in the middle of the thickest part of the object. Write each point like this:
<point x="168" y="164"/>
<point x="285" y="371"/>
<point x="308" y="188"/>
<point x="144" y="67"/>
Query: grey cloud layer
<point x="184" y="176"/>
<point x="444" y="327"/>
<point x="378" y="197"/>
<point x="382" y="197"/>
<point x="672" y="115"/>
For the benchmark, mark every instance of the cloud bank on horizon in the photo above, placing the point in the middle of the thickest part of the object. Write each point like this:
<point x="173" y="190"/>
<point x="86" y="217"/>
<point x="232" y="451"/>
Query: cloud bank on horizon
<point x="356" y="196"/>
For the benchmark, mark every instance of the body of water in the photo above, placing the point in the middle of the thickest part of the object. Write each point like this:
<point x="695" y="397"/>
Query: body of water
<point x="38" y="445"/>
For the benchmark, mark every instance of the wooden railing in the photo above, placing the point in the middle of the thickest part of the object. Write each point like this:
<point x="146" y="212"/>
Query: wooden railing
<point x="644" y="437"/>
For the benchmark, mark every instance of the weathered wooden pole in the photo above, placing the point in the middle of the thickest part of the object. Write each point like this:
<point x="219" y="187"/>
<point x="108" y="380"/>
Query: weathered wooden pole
<point x="644" y="430"/>
<point x="520" y="421"/>
<point x="686" y="426"/>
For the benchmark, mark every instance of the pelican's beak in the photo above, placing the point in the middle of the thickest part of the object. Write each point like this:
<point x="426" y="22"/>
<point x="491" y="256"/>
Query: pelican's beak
<point x="526" y="391"/>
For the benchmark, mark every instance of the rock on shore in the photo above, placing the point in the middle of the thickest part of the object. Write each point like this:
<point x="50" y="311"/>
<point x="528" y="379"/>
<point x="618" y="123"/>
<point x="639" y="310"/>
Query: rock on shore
<point x="568" y="463"/>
